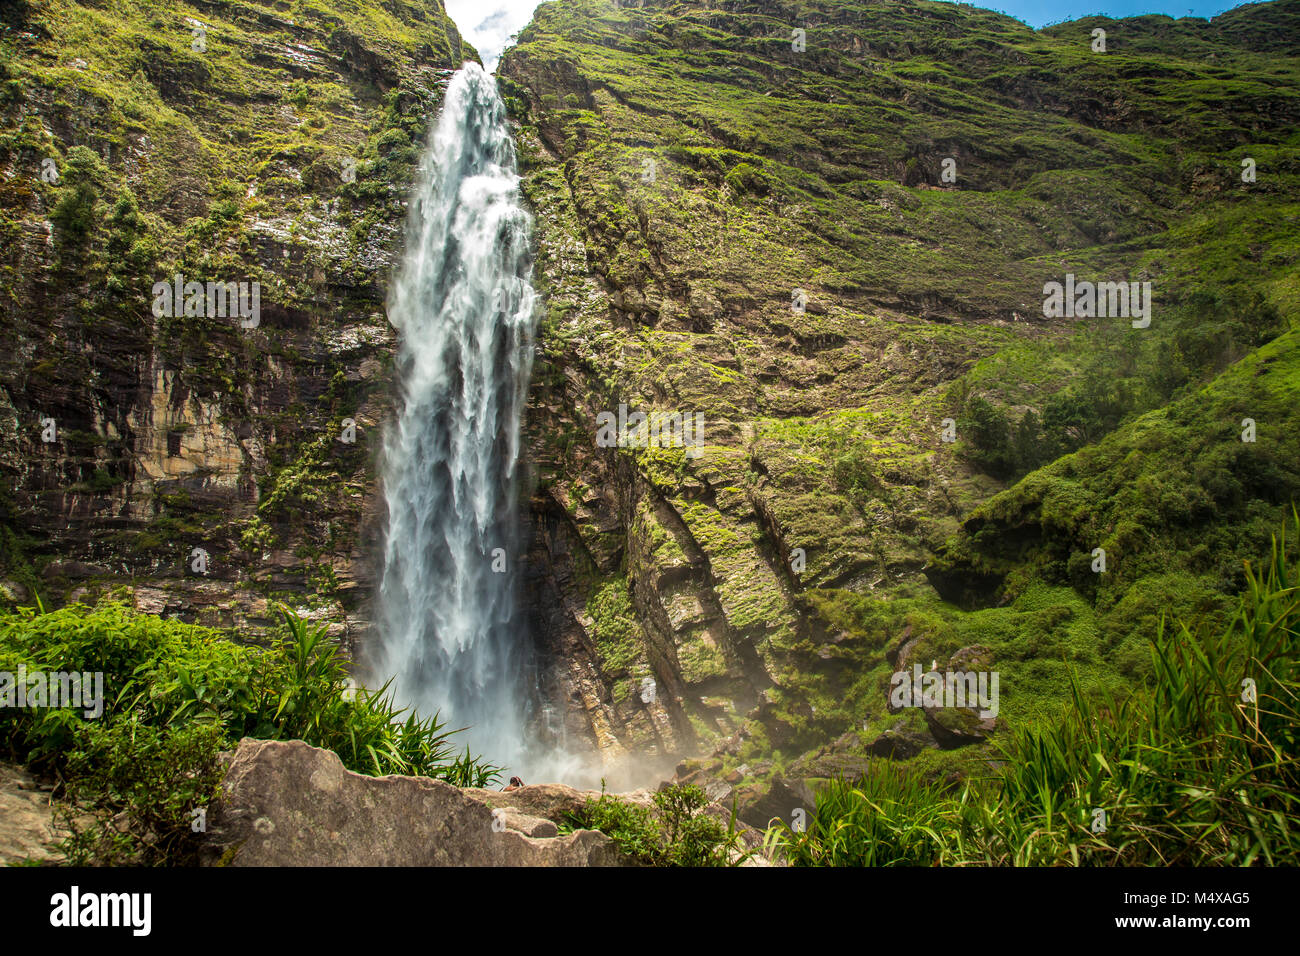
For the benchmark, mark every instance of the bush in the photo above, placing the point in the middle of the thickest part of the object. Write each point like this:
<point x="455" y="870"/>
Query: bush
<point x="988" y="431"/>
<point x="178" y="694"/>
<point x="141" y="785"/>
<point x="853" y="473"/>
<point x="82" y="179"/>
<point x="676" y="833"/>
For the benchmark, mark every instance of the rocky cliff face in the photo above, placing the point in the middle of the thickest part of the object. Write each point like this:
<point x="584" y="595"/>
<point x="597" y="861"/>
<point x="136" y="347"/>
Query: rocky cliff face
<point x="266" y="143"/>
<point x="825" y="228"/>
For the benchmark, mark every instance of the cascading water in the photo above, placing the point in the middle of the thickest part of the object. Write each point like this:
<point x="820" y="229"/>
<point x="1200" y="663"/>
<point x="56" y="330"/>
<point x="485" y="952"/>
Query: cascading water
<point x="449" y="633"/>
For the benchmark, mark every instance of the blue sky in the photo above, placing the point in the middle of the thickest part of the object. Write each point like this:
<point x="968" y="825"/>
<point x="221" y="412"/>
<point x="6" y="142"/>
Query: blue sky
<point x="1038" y="13"/>
<point x="489" y="24"/>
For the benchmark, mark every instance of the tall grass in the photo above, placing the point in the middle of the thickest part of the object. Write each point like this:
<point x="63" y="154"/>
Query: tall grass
<point x="176" y="695"/>
<point x="1192" y="770"/>
<point x="313" y="701"/>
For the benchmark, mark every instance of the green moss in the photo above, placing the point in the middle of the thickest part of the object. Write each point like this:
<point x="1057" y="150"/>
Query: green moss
<point x="614" y="627"/>
<point x="825" y="488"/>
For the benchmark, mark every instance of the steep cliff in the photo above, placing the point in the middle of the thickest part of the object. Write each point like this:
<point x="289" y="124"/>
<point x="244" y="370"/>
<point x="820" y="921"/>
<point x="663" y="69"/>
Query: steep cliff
<point x="267" y="143"/>
<point x="826" y="228"/>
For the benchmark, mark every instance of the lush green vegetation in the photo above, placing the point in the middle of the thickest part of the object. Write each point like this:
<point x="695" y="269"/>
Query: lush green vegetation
<point x="1198" y="768"/>
<point x="773" y="169"/>
<point x="675" y="833"/>
<point x="175" y="696"/>
<point x="1188" y="491"/>
<point x="708" y="168"/>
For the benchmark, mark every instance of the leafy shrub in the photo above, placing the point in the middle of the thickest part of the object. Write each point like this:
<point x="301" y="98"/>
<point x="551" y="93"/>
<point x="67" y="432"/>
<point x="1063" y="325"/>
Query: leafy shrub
<point x="82" y="179"/>
<point x="675" y="833"/>
<point x="989" y="433"/>
<point x="745" y="178"/>
<point x="178" y="694"/>
<point x="141" y="784"/>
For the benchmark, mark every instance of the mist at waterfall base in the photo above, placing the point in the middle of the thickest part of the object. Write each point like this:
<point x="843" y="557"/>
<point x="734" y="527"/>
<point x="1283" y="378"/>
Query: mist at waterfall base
<point x="451" y="634"/>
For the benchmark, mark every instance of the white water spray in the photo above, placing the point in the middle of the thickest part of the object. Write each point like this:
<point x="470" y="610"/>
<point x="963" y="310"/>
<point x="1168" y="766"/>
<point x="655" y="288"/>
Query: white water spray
<point x="449" y="632"/>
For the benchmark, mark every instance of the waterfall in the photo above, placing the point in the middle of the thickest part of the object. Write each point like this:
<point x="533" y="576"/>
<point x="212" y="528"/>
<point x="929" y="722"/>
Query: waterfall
<point x="450" y="635"/>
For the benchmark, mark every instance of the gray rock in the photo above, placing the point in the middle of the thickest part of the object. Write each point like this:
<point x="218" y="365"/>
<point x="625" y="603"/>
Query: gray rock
<point x="899" y="746"/>
<point x="826" y="766"/>
<point x="846" y="743"/>
<point x="718" y="791"/>
<point x="549" y="801"/>
<point x="900" y="652"/>
<point x="285" y="803"/>
<point x="73" y="569"/>
<point x="961" y="726"/>
<point x="27" y="827"/>
<point x="760" y="804"/>
<point x="530" y="826"/>
<point x="958" y="726"/>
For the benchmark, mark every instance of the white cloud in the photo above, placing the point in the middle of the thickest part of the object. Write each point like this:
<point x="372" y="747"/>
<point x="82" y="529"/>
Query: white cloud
<point x="488" y="26"/>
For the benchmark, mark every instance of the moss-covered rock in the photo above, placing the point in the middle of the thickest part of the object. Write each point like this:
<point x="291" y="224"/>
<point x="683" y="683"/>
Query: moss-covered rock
<point x="252" y="142"/>
<point x="763" y="235"/>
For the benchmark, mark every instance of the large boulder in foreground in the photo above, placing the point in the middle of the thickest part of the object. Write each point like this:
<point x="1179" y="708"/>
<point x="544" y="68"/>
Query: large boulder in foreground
<point x="27" y="828"/>
<point x="286" y="803"/>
